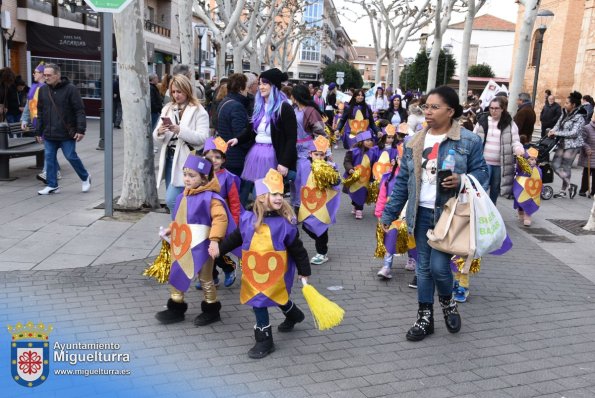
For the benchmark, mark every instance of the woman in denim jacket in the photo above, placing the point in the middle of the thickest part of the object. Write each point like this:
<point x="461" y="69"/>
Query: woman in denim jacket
<point x="416" y="187"/>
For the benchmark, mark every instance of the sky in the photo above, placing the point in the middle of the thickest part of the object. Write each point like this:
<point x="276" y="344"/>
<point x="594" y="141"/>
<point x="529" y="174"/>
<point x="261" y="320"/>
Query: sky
<point x="361" y="36"/>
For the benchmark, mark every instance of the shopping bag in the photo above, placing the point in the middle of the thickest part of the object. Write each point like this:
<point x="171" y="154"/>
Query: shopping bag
<point x="489" y="228"/>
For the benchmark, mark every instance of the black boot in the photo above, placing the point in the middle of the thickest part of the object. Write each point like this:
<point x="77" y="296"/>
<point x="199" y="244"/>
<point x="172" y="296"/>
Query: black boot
<point x="293" y="316"/>
<point x="424" y="324"/>
<point x="451" y="313"/>
<point x="210" y="313"/>
<point x="264" y="342"/>
<point x="174" y="312"/>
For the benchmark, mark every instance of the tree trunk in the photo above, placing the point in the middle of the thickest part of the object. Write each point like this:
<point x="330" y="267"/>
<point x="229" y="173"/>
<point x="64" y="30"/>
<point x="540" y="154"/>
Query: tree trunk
<point x="238" y="55"/>
<point x="220" y="56"/>
<point x="396" y="73"/>
<point x="255" y="61"/>
<point x="185" y="31"/>
<point x="464" y="66"/>
<point x="138" y="186"/>
<point x="378" y="67"/>
<point x="522" y="53"/>
<point x="442" y="19"/>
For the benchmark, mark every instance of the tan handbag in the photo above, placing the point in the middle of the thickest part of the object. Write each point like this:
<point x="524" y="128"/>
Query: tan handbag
<point x="453" y="233"/>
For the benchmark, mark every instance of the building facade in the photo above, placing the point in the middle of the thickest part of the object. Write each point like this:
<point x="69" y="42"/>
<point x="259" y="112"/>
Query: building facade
<point x="365" y="62"/>
<point x="568" y="51"/>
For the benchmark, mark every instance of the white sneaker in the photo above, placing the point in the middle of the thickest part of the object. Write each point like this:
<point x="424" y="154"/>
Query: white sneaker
<point x="87" y="184"/>
<point x="48" y="190"/>
<point x="385" y="273"/>
<point x="319" y="259"/>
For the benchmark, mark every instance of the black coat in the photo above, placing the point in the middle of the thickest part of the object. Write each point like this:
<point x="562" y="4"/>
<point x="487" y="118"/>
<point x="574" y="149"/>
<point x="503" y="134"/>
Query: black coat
<point x="550" y="115"/>
<point x="232" y="121"/>
<point x="156" y="99"/>
<point x="69" y="117"/>
<point x="283" y="136"/>
<point x="388" y="115"/>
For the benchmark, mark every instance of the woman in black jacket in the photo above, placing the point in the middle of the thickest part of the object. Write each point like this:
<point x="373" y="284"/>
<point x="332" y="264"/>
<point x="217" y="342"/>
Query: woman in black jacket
<point x="357" y="103"/>
<point x="274" y="126"/>
<point x="396" y="113"/>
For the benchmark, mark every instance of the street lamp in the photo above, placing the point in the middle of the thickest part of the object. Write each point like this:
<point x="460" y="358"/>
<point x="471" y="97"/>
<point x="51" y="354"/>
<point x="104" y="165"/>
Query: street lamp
<point x="200" y="32"/>
<point x="447" y="50"/>
<point x="543" y="16"/>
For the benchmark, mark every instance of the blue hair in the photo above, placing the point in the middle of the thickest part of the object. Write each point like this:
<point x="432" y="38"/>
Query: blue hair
<point x="270" y="110"/>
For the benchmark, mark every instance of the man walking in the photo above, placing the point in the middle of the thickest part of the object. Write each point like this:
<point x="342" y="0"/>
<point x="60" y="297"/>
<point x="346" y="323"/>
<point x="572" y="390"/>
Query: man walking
<point x="61" y="121"/>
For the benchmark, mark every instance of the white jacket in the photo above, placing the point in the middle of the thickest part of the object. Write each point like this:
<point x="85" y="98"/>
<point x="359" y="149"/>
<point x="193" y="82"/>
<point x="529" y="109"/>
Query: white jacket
<point x="380" y="103"/>
<point x="194" y="130"/>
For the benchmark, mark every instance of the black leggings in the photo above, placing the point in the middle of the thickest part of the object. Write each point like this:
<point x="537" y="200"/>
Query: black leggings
<point x="585" y="181"/>
<point x="321" y="242"/>
<point x="225" y="263"/>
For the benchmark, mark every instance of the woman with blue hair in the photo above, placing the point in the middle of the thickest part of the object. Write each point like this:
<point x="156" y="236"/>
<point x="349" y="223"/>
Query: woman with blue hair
<point x="274" y="130"/>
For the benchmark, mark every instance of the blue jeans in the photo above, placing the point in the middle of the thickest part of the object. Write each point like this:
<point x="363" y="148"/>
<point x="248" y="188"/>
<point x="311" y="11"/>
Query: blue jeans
<point x="262" y="314"/>
<point x="433" y="266"/>
<point x="154" y="120"/>
<point x="171" y="192"/>
<point x="69" y="151"/>
<point x="493" y="183"/>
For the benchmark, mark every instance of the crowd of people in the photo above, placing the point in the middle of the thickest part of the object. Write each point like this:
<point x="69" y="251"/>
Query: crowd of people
<point x="246" y="159"/>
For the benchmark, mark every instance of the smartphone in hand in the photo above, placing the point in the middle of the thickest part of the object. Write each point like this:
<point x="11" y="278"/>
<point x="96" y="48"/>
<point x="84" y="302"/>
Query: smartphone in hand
<point x="442" y="175"/>
<point x="166" y="121"/>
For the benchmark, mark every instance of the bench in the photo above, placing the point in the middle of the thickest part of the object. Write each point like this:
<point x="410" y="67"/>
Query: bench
<point x="11" y="148"/>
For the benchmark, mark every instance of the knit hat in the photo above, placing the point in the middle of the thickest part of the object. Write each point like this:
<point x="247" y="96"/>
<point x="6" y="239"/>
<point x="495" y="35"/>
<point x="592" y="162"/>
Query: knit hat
<point x="271" y="183"/>
<point x="275" y="77"/>
<point x="198" y="164"/>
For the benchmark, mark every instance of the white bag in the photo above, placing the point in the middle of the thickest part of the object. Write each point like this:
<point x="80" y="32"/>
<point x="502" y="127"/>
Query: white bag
<point x="487" y="224"/>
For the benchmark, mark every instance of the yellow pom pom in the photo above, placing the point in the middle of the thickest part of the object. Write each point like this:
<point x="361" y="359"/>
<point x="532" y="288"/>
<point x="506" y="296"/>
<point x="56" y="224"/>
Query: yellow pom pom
<point x="402" y="238"/>
<point x="353" y="178"/>
<point x="460" y="263"/>
<point x="325" y="175"/>
<point x="326" y="314"/>
<point x="523" y="165"/>
<point x="161" y="267"/>
<point x="373" y="189"/>
<point x="380" y="251"/>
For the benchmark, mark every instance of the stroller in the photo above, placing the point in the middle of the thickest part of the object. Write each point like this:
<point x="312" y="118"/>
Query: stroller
<point x="544" y="147"/>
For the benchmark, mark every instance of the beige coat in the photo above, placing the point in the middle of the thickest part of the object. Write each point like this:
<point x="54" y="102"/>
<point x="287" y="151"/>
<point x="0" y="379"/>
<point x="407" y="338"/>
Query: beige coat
<point x="194" y="130"/>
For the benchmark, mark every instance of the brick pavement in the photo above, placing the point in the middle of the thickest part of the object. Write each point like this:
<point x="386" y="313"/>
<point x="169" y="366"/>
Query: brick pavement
<point x="527" y="330"/>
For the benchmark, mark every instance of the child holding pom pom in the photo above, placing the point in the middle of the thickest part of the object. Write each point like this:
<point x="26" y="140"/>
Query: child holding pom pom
<point x="271" y="253"/>
<point x="319" y="198"/>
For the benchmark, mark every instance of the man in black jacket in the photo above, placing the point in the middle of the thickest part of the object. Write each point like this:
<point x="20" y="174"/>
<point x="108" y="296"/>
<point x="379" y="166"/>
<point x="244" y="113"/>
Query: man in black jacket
<point x="550" y="114"/>
<point x="61" y="121"/>
<point x="156" y="100"/>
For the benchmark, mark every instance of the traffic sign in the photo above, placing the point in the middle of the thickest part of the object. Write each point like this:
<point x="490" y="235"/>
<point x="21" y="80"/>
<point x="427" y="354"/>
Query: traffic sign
<point x="340" y="75"/>
<point x="111" y="6"/>
<point x="340" y="81"/>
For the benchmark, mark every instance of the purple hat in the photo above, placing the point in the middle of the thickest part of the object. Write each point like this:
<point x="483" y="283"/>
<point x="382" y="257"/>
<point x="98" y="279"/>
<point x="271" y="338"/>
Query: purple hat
<point x="215" y="143"/>
<point x="364" y="135"/>
<point x="331" y="86"/>
<point x="198" y="164"/>
<point x="272" y="182"/>
<point x="40" y="67"/>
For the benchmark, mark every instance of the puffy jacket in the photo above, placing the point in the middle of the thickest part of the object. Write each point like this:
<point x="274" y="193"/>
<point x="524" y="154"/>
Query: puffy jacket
<point x="232" y="120"/>
<point x="569" y="128"/>
<point x="70" y="106"/>
<point x="588" y="133"/>
<point x="468" y="160"/>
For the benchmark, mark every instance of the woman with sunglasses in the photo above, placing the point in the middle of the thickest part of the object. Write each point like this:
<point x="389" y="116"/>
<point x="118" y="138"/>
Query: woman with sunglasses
<point x="416" y="186"/>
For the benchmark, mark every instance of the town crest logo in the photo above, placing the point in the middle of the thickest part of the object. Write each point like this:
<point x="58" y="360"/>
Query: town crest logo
<point x="30" y="353"/>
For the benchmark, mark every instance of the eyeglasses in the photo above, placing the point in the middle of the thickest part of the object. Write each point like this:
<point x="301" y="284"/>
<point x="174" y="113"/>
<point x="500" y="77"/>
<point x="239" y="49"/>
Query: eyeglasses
<point x="495" y="108"/>
<point x="433" y="107"/>
<point x="48" y="75"/>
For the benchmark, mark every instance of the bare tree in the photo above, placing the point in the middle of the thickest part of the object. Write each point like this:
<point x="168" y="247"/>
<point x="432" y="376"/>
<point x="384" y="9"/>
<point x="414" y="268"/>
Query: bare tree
<point x="185" y="32"/>
<point x="472" y="8"/>
<point x="138" y="185"/>
<point x="442" y="18"/>
<point x="522" y="52"/>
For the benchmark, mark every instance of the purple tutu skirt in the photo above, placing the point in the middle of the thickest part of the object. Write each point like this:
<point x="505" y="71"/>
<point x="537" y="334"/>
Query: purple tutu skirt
<point x="259" y="160"/>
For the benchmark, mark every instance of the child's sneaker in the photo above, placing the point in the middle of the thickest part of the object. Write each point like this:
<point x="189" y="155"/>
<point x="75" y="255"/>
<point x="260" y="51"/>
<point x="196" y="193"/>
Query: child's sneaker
<point x="319" y="259"/>
<point x="230" y="278"/>
<point x="413" y="283"/>
<point x="411" y="263"/>
<point x="461" y="294"/>
<point x="359" y="214"/>
<point x="385" y="273"/>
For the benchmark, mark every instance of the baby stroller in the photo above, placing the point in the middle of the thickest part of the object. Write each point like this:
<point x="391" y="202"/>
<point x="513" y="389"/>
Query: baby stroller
<point x="544" y="147"/>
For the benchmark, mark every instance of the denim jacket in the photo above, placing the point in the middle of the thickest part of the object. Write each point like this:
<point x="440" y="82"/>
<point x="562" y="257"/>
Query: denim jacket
<point x="469" y="160"/>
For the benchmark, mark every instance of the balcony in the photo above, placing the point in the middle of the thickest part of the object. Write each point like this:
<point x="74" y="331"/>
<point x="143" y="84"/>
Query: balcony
<point x="157" y="29"/>
<point x="39" y="5"/>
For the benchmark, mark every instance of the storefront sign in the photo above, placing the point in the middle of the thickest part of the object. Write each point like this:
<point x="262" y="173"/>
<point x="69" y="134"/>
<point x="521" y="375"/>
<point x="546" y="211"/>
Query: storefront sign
<point x="63" y="42"/>
<point x="308" y="76"/>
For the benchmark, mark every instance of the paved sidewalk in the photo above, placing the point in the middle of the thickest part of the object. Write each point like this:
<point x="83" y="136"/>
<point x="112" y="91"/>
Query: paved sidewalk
<point x="65" y="230"/>
<point x="527" y="328"/>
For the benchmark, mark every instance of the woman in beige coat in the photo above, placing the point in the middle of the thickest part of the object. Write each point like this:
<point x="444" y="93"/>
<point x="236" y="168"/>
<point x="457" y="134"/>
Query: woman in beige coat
<point x="183" y="127"/>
